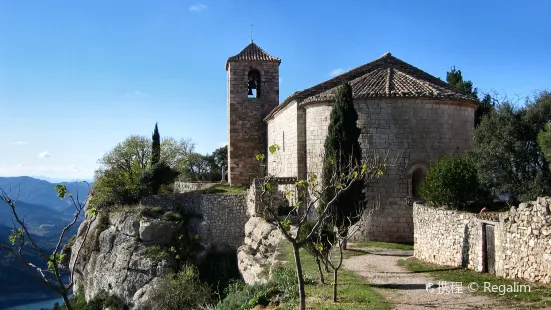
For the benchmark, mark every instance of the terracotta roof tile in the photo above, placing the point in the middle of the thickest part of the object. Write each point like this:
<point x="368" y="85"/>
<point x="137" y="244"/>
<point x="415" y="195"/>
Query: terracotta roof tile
<point x="252" y="52"/>
<point x="387" y="77"/>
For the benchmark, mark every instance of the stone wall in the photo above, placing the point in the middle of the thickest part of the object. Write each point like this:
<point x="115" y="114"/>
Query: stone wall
<point x="223" y="216"/>
<point x="282" y="130"/>
<point x="410" y="133"/>
<point x="522" y="240"/>
<point x="186" y="187"/>
<point x="246" y="128"/>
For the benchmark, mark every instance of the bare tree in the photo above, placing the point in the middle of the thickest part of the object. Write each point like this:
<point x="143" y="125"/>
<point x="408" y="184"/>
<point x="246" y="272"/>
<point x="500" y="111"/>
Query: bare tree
<point x="307" y="194"/>
<point x="50" y="274"/>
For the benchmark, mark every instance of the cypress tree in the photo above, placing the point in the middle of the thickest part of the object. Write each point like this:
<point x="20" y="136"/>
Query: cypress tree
<point x="342" y="150"/>
<point x="155" y="146"/>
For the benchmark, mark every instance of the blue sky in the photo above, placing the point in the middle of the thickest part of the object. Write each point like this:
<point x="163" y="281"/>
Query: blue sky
<point x="77" y="77"/>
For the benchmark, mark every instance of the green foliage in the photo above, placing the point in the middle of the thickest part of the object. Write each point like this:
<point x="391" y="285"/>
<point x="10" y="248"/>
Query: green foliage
<point x="155" y="146"/>
<point x="16" y="236"/>
<point x="157" y="253"/>
<point x="245" y="297"/>
<point x="506" y="151"/>
<point x="126" y="174"/>
<point x="452" y="182"/>
<point x="182" y="291"/>
<point x="342" y="151"/>
<point x="172" y="216"/>
<point x="455" y="79"/>
<point x="225" y="189"/>
<point x="54" y="260"/>
<point x="197" y="167"/>
<point x="544" y="142"/>
<point x="154" y="212"/>
<point x="159" y="174"/>
<point x="101" y="301"/>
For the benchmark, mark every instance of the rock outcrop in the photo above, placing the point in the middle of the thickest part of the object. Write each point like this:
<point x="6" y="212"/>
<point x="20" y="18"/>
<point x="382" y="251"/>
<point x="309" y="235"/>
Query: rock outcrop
<point x="258" y="253"/>
<point x="116" y="255"/>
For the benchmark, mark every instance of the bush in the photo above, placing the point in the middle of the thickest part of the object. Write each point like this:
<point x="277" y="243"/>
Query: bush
<point x="159" y="174"/>
<point x="452" y="182"/>
<point x="101" y="301"/>
<point x="182" y="291"/>
<point x="172" y="216"/>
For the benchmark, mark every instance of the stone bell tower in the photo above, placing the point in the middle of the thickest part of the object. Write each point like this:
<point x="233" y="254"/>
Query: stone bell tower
<point x="253" y="91"/>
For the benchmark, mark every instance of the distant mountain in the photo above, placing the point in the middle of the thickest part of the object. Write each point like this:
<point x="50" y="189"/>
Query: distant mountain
<point x="58" y="180"/>
<point x="44" y="214"/>
<point x="40" y="192"/>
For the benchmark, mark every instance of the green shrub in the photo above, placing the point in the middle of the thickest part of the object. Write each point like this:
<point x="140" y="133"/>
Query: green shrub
<point x="101" y="301"/>
<point x="452" y="182"/>
<point x="246" y="297"/>
<point x="172" y="216"/>
<point x="154" y="212"/>
<point x="181" y="291"/>
<point x="157" y="175"/>
<point x="157" y="253"/>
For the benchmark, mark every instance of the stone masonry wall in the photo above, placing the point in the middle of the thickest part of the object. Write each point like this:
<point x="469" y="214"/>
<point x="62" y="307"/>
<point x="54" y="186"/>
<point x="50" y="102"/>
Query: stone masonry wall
<point x="282" y="130"/>
<point x="522" y="240"/>
<point x="408" y="132"/>
<point x="246" y="127"/>
<point x="186" y="187"/>
<point x="224" y="216"/>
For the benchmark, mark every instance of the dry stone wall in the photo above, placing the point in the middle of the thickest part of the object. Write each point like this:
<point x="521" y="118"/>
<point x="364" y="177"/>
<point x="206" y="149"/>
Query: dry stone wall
<point x="522" y="239"/>
<point x="223" y="216"/>
<point x="186" y="187"/>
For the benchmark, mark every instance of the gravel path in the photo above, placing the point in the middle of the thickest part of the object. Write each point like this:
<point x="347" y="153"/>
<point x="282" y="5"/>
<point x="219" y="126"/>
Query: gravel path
<point x="407" y="290"/>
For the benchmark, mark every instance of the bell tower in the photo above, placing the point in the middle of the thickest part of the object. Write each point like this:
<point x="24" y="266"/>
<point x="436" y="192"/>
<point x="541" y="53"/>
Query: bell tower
<point x="253" y="91"/>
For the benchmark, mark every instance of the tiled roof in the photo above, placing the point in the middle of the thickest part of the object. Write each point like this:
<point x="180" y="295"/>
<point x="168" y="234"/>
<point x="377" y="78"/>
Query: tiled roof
<point x="386" y="77"/>
<point x="252" y="52"/>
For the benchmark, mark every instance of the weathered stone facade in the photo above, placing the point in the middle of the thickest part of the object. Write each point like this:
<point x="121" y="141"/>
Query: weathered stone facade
<point x="411" y="132"/>
<point x="223" y="216"/>
<point x="246" y="128"/>
<point x="522" y="240"/>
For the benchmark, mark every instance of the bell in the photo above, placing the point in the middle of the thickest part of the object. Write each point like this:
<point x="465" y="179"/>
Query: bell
<point x="250" y="91"/>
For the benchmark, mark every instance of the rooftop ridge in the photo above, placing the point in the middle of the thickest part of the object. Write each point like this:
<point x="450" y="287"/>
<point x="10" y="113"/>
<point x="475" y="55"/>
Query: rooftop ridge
<point x="400" y="79"/>
<point x="252" y="52"/>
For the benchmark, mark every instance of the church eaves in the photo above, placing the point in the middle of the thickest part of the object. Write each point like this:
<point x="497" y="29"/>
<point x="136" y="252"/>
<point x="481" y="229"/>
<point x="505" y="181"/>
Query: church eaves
<point x="252" y="52"/>
<point x="385" y="77"/>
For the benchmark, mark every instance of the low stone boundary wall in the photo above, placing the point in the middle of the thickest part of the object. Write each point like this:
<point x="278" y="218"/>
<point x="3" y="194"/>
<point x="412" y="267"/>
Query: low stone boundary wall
<point x="223" y="216"/>
<point x="186" y="187"/>
<point x="522" y="239"/>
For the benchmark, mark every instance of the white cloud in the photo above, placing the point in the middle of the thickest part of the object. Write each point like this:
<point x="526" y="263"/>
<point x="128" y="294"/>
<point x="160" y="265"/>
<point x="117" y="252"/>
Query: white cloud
<point x="197" y="8"/>
<point x="20" y="143"/>
<point x="44" y="154"/>
<point x="20" y="166"/>
<point x="337" y="71"/>
<point x="137" y="94"/>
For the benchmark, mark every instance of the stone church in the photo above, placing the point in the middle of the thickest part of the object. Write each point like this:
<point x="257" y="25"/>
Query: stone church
<point x="406" y="114"/>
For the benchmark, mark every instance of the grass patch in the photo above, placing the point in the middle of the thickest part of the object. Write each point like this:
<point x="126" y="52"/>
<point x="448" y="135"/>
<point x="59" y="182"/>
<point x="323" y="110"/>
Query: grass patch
<point x="353" y="292"/>
<point x="383" y="245"/>
<point x="172" y="216"/>
<point x="154" y="212"/>
<point x="225" y="189"/>
<point x="538" y="297"/>
<point x="157" y="253"/>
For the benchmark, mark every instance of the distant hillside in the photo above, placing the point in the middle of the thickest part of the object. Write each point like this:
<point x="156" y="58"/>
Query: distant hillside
<point x="44" y="214"/>
<point x="40" y="192"/>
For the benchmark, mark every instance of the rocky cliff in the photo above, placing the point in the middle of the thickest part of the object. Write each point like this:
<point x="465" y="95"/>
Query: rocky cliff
<point x="121" y="255"/>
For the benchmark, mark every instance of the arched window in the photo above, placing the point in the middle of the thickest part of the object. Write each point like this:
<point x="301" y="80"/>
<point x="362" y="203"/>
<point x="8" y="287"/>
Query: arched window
<point x="253" y="84"/>
<point x="415" y="176"/>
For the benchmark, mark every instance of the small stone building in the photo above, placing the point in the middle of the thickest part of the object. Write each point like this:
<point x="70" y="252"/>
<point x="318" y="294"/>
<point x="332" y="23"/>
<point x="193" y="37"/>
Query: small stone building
<point x="405" y="114"/>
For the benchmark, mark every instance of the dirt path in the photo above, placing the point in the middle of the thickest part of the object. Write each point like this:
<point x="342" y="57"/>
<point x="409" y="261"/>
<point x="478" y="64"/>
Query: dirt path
<point x="407" y="290"/>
